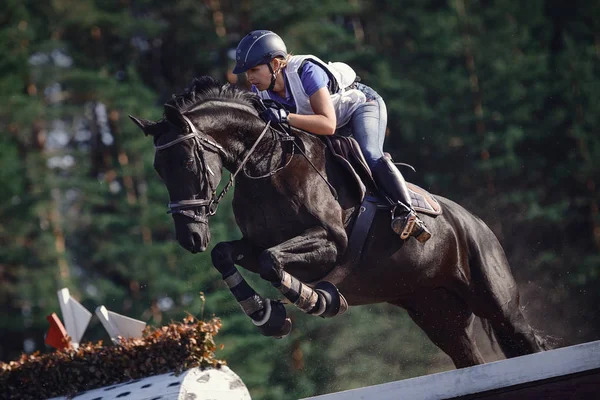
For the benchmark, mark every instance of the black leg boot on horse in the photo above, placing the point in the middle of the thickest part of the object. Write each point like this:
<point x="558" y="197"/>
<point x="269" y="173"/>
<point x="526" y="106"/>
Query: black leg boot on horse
<point x="268" y="315"/>
<point x="311" y="247"/>
<point x="405" y="221"/>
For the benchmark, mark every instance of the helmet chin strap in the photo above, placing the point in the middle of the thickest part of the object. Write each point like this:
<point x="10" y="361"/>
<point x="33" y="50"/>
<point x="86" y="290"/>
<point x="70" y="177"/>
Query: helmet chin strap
<point x="273" y="77"/>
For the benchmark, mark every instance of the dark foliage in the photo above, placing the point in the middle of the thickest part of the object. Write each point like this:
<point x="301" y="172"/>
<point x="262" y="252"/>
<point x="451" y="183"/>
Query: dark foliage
<point x="175" y="347"/>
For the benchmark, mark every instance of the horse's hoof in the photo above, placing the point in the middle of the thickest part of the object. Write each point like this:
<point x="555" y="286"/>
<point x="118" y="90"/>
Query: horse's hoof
<point x="285" y="329"/>
<point x="335" y="302"/>
<point x="275" y="322"/>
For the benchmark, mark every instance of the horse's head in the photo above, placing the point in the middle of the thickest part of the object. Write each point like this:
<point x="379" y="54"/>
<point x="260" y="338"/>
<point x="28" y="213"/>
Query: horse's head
<point x="189" y="163"/>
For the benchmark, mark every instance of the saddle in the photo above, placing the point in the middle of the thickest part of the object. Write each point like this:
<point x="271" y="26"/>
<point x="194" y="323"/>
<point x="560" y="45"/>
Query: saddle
<point x="347" y="152"/>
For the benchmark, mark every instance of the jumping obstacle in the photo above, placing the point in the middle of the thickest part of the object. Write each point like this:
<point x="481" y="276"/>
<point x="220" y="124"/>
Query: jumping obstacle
<point x="195" y="383"/>
<point x="568" y="373"/>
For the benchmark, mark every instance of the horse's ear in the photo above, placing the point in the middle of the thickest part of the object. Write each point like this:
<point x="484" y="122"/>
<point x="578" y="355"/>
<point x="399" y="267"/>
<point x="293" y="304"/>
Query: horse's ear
<point x="148" y="127"/>
<point x="173" y="115"/>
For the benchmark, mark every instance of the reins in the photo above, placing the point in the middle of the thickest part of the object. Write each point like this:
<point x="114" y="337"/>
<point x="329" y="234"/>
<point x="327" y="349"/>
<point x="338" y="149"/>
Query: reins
<point x="287" y="136"/>
<point x="276" y="170"/>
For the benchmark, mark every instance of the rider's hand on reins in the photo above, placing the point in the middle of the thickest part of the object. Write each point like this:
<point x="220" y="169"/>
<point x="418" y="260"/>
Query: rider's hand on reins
<point x="276" y="116"/>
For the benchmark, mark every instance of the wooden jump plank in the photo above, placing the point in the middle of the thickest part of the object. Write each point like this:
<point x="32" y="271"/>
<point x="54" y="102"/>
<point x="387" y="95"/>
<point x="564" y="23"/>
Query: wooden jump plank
<point x="582" y="360"/>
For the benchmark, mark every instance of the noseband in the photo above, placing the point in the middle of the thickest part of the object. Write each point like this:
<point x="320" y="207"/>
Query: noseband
<point x="183" y="206"/>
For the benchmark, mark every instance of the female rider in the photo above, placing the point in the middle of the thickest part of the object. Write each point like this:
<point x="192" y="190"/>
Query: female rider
<point x="319" y="98"/>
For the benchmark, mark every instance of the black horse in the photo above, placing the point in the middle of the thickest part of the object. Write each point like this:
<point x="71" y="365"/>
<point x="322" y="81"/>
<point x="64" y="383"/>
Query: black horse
<point x="295" y="206"/>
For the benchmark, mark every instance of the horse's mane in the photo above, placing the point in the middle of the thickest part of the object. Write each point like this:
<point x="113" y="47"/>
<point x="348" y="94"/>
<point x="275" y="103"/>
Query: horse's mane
<point x="207" y="88"/>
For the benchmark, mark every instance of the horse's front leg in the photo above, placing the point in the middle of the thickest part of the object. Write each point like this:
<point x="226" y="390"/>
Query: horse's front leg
<point x="312" y="248"/>
<point x="268" y="315"/>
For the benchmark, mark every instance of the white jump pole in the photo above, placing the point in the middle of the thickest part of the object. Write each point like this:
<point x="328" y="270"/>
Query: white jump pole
<point x="195" y="383"/>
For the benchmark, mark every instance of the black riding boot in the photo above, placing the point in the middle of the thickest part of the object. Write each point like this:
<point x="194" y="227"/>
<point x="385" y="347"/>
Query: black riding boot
<point x="405" y="221"/>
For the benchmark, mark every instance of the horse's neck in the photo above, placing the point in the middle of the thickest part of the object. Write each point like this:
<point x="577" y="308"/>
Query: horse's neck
<point x="265" y="157"/>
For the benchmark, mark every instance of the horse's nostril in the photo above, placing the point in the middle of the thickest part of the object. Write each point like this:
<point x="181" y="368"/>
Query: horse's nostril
<point x="199" y="245"/>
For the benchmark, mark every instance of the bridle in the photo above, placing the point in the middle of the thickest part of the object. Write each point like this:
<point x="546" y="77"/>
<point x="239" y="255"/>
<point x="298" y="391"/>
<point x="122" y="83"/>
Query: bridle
<point x="203" y="143"/>
<point x="183" y="207"/>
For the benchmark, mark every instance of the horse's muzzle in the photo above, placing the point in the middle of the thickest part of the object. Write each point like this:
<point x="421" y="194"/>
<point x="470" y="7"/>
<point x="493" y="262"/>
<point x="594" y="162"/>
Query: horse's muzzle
<point x="193" y="244"/>
<point x="194" y="237"/>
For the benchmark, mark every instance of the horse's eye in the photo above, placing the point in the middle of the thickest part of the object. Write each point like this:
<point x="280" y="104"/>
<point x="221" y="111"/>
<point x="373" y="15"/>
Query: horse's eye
<point x="189" y="163"/>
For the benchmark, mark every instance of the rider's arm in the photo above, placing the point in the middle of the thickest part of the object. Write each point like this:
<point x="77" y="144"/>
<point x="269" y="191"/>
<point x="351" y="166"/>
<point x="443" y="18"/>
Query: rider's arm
<point x="324" y="121"/>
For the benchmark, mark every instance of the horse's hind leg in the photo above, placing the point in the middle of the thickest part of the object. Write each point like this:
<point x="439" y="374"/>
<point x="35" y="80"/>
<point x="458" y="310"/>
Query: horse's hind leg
<point x="513" y="333"/>
<point x="496" y="298"/>
<point x="448" y="322"/>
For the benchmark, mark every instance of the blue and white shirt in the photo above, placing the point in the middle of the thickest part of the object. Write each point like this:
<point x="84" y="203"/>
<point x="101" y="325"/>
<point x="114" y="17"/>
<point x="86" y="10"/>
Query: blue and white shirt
<point x="315" y="75"/>
<point x="313" y="78"/>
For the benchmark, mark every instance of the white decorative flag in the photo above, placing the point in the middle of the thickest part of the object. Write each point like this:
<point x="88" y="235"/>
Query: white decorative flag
<point x="119" y="325"/>
<point x="76" y="316"/>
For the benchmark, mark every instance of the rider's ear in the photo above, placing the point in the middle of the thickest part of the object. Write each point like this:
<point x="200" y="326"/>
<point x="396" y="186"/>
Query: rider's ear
<point x="275" y="64"/>
<point x="148" y="127"/>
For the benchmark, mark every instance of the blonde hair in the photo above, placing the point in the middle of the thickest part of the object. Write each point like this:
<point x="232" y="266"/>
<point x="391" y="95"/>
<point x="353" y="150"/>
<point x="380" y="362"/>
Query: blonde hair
<point x="283" y="62"/>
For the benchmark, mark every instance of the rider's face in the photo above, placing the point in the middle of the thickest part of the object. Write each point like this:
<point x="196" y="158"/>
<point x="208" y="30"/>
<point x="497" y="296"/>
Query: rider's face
<point x="259" y="76"/>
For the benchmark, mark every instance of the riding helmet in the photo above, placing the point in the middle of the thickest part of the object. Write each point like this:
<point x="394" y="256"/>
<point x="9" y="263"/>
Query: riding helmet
<point x="256" y="48"/>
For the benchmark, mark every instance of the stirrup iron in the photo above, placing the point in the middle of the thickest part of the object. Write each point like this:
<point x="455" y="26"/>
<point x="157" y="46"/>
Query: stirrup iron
<point x="409" y="225"/>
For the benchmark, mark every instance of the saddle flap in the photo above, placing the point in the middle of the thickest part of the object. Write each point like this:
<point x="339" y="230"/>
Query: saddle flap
<point x="347" y="151"/>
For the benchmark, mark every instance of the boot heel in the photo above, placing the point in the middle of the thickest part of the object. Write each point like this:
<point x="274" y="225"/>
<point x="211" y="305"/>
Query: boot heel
<point x="397" y="224"/>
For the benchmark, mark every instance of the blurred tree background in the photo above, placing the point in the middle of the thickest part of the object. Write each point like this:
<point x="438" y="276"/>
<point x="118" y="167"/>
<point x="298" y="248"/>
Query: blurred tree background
<point x="495" y="102"/>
